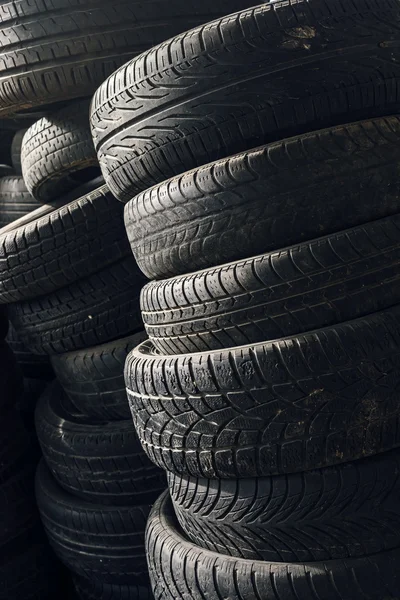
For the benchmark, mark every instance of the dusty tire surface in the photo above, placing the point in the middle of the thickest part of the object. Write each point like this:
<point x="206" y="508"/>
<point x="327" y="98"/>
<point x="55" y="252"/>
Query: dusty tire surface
<point x="302" y="402"/>
<point x="58" y="153"/>
<point x="54" y="51"/>
<point x="268" y="198"/>
<point x="329" y="280"/>
<point x="262" y="74"/>
<point x="100" y="462"/>
<point x="179" y="569"/>
<point x="343" y="511"/>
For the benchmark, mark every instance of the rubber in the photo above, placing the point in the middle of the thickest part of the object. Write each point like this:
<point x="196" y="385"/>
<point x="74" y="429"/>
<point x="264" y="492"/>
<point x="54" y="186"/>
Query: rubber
<point x="326" y="281"/>
<point x="266" y="73"/>
<point x="73" y="46"/>
<point x="263" y="199"/>
<point x="15" y="200"/>
<point x="93" y="590"/>
<point x="92" y="311"/>
<point x="62" y="246"/>
<point x="31" y="365"/>
<point x="104" y="543"/>
<point x="16" y="147"/>
<point x="344" y="511"/>
<point x="58" y="153"/>
<point x="285" y="406"/>
<point x="100" y="462"/>
<point x="180" y="570"/>
<point x="93" y="378"/>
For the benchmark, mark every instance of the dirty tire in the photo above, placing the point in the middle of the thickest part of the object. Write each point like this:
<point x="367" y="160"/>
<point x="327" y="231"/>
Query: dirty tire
<point x="101" y="308"/>
<point x="275" y="70"/>
<point x="95" y="590"/>
<point x="16" y="147"/>
<point x="62" y="246"/>
<point x="329" y="280"/>
<point x="15" y="200"/>
<point x="93" y="378"/>
<point x="58" y="153"/>
<point x="286" y="406"/>
<point x="105" y="543"/>
<point x="73" y="46"/>
<point x="100" y="462"/>
<point x="264" y="199"/>
<point x="344" y="511"/>
<point x="179" y="569"/>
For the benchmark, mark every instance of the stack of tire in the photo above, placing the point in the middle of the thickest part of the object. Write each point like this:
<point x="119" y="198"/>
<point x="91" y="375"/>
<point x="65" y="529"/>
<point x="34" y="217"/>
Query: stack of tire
<point x="269" y="387"/>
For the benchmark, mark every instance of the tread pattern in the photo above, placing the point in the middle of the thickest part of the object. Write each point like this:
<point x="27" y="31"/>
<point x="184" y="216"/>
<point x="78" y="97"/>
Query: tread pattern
<point x="95" y="590"/>
<point x="315" y="284"/>
<point x="101" y="462"/>
<point x="180" y="570"/>
<point x="280" y="194"/>
<point x="15" y="200"/>
<point x="299" y="403"/>
<point x="275" y="70"/>
<point x="32" y="365"/>
<point x="62" y="246"/>
<point x="58" y="153"/>
<point x="339" y="512"/>
<point x="104" y="543"/>
<point x="101" y="308"/>
<point x="93" y="378"/>
<point x="56" y="50"/>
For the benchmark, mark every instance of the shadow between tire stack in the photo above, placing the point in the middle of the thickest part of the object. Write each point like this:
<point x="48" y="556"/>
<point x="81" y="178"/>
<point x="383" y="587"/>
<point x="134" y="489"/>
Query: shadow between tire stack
<point x="268" y="388"/>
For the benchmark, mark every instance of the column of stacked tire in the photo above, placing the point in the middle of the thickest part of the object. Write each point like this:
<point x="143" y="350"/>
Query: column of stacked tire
<point x="268" y="390"/>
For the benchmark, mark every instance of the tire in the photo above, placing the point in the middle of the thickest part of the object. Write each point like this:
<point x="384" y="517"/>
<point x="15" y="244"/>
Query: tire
<point x="15" y="200"/>
<point x="104" y="543"/>
<point x="339" y="512"/>
<point x="290" y="405"/>
<point x="260" y="75"/>
<point x="94" y="590"/>
<point x="93" y="378"/>
<point x="101" y="308"/>
<point x="179" y="569"/>
<point x="268" y="198"/>
<point x="62" y="246"/>
<point x="31" y="365"/>
<point x="73" y="46"/>
<point x="315" y="284"/>
<point x="58" y="153"/>
<point x="16" y="148"/>
<point x="102" y="463"/>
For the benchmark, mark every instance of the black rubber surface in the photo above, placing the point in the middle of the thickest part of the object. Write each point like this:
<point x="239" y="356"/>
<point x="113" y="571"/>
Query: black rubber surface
<point x="32" y="365"/>
<point x="344" y="511"/>
<point x="101" y="308"/>
<point x="263" y="199"/>
<point x="93" y="378"/>
<point x="16" y="147"/>
<point x="324" y="397"/>
<point x="275" y="70"/>
<point x="73" y="45"/>
<point x="61" y="246"/>
<point x="95" y="590"/>
<point x="101" y="462"/>
<point x="105" y="543"/>
<point x="58" y="153"/>
<point x="15" y="200"/>
<point x="180" y="570"/>
<point x="314" y="284"/>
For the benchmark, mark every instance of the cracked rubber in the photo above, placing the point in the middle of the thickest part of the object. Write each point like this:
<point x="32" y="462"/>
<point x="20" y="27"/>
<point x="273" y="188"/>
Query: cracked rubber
<point x="326" y="281"/>
<point x="321" y="398"/>
<point x="58" y="153"/>
<point x="56" y="50"/>
<point x="105" y="543"/>
<point x="93" y="378"/>
<point x="95" y="590"/>
<point x="343" y="511"/>
<point x="16" y="147"/>
<point x="101" y="308"/>
<point x="100" y="462"/>
<point x="61" y="246"/>
<point x="180" y="570"/>
<point x="267" y="198"/>
<point x="263" y="74"/>
<point x="15" y="200"/>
